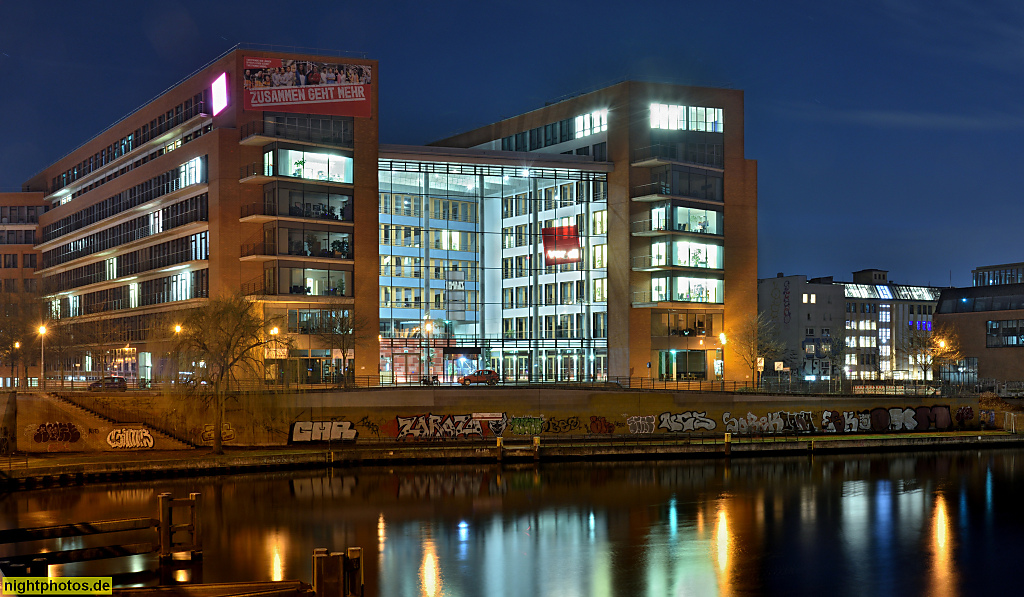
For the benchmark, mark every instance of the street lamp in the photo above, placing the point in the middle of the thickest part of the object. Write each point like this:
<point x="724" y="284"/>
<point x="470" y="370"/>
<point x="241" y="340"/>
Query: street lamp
<point x="274" y="331"/>
<point x="429" y="327"/>
<point x="14" y="380"/>
<point x="42" y="362"/>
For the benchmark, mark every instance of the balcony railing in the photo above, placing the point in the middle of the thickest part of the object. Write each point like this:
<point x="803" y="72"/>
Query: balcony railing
<point x="263" y="248"/>
<point x="675" y="153"/>
<point x="650" y="226"/>
<point x="652" y="188"/>
<point x="255" y="169"/>
<point x="342" y="135"/>
<point x="646" y="296"/>
<point x="259" y="209"/>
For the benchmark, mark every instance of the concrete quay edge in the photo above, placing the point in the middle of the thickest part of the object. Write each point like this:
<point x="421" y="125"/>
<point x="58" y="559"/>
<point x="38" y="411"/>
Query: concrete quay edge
<point x="26" y="472"/>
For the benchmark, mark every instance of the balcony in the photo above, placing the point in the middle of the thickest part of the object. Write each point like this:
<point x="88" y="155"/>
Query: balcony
<point x="255" y="173"/>
<point x="646" y="298"/>
<point x="665" y="155"/>
<point x="650" y="263"/>
<point x="259" y="212"/>
<point x="262" y="132"/>
<point x="266" y="251"/>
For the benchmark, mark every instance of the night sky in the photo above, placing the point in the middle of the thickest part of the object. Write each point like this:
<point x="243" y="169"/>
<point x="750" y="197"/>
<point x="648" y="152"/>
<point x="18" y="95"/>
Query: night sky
<point x="887" y="133"/>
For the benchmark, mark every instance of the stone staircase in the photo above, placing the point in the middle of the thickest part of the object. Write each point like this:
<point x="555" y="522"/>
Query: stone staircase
<point x="87" y="414"/>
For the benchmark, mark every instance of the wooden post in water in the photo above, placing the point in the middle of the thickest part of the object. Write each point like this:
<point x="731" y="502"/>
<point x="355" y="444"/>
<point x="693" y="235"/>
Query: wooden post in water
<point x="165" y="527"/>
<point x="354" y="572"/>
<point x="197" y="538"/>
<point x="319" y="556"/>
<point x="499" y="448"/>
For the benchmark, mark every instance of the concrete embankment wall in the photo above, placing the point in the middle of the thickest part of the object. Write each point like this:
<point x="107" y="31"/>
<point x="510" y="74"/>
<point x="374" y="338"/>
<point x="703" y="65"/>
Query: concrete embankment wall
<point x="45" y="424"/>
<point x="424" y="413"/>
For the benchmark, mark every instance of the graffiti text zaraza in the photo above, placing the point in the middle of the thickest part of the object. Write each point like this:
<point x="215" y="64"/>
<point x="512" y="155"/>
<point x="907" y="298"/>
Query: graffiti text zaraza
<point x="438" y="426"/>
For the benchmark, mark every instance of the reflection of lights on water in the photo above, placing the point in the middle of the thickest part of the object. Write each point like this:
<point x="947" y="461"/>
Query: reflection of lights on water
<point x="463" y="531"/>
<point x="941" y="523"/>
<point x="381" y="531"/>
<point x="943" y="579"/>
<point x="988" y="491"/>
<point x="429" y="576"/>
<point x="700" y="522"/>
<point x="723" y="541"/>
<point x="276" y="545"/>
<point x="673" y="517"/>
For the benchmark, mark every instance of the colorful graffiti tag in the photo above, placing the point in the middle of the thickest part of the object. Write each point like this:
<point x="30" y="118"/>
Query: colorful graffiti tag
<point x="438" y="426"/>
<point x="322" y="431"/>
<point x="686" y="421"/>
<point x="130" y="439"/>
<point x="57" y="433"/>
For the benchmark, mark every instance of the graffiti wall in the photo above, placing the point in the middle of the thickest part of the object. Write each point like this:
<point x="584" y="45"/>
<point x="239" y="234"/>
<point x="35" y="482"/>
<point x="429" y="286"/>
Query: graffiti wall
<point x="483" y="414"/>
<point x="45" y="424"/>
<point x="838" y="417"/>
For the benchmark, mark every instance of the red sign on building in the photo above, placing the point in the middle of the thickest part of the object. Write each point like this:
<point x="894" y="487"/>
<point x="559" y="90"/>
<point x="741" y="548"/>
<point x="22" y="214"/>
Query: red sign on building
<point x="561" y="245"/>
<point x="281" y="85"/>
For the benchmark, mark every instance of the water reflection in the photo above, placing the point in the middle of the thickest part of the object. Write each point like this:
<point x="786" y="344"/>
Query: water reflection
<point x="943" y="581"/>
<point x="844" y="526"/>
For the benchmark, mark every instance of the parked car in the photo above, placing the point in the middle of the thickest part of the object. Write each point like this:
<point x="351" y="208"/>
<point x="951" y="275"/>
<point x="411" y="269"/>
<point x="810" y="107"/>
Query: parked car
<point x="109" y="383"/>
<point x="487" y="376"/>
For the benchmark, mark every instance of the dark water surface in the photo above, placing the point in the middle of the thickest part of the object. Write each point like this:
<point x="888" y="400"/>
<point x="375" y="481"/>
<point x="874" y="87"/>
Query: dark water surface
<point x="934" y="523"/>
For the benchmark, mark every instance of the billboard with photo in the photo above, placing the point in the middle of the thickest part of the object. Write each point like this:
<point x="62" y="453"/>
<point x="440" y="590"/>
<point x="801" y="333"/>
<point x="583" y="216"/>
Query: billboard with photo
<point x="561" y="245"/>
<point x="306" y="87"/>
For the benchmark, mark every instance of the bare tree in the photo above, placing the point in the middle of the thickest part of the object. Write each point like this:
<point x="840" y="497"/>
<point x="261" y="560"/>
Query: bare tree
<point x="833" y="346"/>
<point x="931" y="349"/>
<point x="337" y="327"/>
<point x="20" y="313"/>
<point x="757" y="337"/>
<point x="229" y="335"/>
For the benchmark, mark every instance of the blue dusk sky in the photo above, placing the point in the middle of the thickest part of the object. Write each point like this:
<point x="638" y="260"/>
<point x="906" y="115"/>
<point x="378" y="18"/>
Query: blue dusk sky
<point x="887" y="132"/>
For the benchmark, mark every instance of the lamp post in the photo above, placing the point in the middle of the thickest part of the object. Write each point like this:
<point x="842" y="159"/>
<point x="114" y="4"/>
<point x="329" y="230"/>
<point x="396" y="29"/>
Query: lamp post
<point x="42" y="362"/>
<point x="429" y="327"/>
<point x="14" y="380"/>
<point x="273" y="333"/>
<point x="722" y="340"/>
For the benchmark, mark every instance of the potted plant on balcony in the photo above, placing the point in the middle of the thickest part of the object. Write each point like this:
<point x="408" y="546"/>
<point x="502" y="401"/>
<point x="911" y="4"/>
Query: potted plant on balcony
<point x="313" y="245"/>
<point x="299" y="165"/>
<point x="339" y="249"/>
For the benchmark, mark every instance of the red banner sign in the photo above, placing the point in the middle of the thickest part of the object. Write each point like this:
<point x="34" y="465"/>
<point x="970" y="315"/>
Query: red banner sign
<point x="561" y="245"/>
<point x="282" y="85"/>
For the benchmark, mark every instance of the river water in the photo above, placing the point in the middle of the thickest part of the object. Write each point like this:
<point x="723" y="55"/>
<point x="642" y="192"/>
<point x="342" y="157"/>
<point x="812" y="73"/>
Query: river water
<point x="929" y="523"/>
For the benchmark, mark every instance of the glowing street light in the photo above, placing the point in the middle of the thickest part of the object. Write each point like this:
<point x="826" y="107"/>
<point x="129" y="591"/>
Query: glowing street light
<point x="42" y="362"/>
<point x="14" y="360"/>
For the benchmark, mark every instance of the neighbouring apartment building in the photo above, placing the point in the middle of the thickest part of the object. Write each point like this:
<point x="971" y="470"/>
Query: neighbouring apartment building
<point x="875" y="319"/>
<point x="611" y="234"/>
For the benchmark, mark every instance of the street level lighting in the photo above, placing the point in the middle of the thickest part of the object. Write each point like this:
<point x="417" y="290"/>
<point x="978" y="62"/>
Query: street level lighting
<point x="14" y="361"/>
<point x="42" y="362"/>
<point x="429" y="327"/>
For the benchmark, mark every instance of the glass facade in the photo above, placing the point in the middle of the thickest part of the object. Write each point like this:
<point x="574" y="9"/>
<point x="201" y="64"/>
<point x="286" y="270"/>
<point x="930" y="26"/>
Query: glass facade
<point x="463" y="283"/>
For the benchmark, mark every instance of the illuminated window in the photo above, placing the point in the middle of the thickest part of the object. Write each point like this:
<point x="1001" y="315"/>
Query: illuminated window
<point x="601" y="222"/>
<point x="600" y="256"/>
<point x="601" y="290"/>
<point x="686" y="118"/>
<point x="591" y="124"/>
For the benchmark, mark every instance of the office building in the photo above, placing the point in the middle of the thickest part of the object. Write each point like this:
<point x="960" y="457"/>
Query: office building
<point x="878" y="321"/>
<point x="610" y="234"/>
